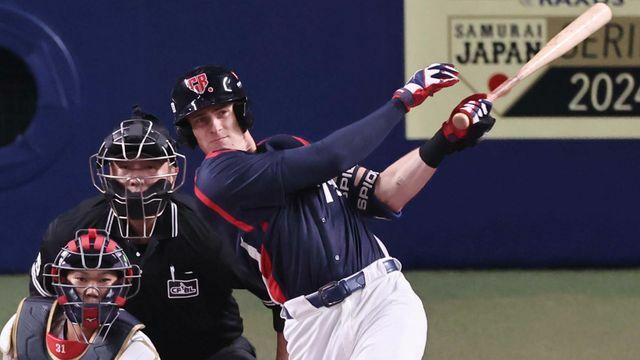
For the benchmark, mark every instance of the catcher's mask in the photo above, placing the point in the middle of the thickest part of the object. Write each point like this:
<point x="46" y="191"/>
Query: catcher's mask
<point x="137" y="168"/>
<point x="93" y="251"/>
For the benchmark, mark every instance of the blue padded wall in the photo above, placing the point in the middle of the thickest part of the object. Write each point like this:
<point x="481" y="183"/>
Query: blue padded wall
<point x="309" y="68"/>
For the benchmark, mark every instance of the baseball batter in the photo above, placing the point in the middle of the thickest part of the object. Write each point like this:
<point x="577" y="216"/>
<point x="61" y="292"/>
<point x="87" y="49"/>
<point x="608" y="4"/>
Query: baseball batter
<point x="299" y="209"/>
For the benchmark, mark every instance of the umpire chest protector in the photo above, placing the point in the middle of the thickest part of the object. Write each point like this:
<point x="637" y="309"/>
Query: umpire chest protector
<point x="33" y="324"/>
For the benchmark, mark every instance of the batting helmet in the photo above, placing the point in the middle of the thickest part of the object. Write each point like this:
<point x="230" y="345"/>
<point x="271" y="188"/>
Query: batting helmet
<point x="205" y="86"/>
<point x="138" y="139"/>
<point x="91" y="249"/>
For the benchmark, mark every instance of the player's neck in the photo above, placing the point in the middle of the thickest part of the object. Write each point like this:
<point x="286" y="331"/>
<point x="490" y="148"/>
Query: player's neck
<point x="249" y="142"/>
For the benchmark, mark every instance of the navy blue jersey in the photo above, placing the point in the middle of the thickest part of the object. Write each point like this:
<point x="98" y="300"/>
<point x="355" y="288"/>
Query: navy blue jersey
<point x="303" y="238"/>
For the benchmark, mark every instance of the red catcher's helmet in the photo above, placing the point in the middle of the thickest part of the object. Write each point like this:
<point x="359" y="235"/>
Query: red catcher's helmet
<point x="93" y="250"/>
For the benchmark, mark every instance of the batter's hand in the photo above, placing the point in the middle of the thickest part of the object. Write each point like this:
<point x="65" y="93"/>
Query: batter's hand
<point x="426" y="82"/>
<point x="478" y="109"/>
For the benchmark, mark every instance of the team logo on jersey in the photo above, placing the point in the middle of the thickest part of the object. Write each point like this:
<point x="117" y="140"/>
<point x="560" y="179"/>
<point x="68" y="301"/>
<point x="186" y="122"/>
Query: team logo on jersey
<point x="198" y="84"/>
<point x="179" y="289"/>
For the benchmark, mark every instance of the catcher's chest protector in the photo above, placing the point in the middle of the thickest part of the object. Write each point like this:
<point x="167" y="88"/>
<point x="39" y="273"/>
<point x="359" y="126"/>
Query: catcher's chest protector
<point x="31" y="324"/>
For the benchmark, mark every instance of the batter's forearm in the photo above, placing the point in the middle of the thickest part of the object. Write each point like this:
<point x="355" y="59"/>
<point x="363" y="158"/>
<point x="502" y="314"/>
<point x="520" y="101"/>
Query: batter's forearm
<point x="402" y="180"/>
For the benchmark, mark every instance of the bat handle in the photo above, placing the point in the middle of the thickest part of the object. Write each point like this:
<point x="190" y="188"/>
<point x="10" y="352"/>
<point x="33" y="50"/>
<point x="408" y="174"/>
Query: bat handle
<point x="460" y="121"/>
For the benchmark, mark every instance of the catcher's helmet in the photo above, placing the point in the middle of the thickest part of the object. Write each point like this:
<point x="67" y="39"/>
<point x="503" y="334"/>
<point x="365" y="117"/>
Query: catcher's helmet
<point x="92" y="249"/>
<point x="205" y="86"/>
<point x="138" y="139"/>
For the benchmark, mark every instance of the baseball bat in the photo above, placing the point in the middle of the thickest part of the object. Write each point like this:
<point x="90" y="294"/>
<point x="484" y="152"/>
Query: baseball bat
<point x="578" y="30"/>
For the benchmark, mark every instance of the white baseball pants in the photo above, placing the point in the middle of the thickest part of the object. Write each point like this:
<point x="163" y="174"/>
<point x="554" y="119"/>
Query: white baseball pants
<point x="385" y="320"/>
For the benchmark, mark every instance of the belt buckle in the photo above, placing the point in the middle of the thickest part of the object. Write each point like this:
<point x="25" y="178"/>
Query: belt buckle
<point x="323" y="295"/>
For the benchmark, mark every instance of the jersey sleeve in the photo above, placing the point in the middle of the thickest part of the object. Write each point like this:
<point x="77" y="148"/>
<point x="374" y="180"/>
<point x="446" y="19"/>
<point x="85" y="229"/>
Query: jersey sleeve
<point x="306" y="166"/>
<point x="263" y="179"/>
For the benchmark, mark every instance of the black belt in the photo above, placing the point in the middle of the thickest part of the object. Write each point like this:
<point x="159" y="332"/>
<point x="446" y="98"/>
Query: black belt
<point x="336" y="291"/>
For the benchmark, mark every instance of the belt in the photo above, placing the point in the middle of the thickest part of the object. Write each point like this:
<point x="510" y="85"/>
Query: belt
<point x="336" y="291"/>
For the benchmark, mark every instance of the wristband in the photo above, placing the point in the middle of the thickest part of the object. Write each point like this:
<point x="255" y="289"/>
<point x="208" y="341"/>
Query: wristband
<point x="433" y="151"/>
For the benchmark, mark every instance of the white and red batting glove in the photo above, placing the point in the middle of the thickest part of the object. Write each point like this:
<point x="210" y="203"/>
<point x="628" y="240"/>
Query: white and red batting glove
<point x="478" y="109"/>
<point x="426" y="82"/>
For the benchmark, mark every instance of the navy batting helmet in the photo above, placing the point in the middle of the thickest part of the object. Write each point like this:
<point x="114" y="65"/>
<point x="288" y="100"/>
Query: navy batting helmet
<point x="205" y="86"/>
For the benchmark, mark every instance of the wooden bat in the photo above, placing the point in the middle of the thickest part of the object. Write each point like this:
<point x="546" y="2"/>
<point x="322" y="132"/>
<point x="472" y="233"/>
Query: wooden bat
<point x="578" y="30"/>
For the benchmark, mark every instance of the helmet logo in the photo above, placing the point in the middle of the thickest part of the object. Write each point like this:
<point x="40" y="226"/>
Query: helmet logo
<point x="198" y="83"/>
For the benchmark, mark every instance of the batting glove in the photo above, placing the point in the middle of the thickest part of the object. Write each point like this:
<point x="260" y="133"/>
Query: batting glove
<point x="448" y="139"/>
<point x="477" y="108"/>
<point x="426" y="82"/>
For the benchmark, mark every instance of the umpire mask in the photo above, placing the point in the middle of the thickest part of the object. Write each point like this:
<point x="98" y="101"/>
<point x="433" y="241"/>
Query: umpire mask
<point x="136" y="169"/>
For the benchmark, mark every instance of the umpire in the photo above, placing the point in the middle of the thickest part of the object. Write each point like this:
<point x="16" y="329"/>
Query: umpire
<point x="187" y="275"/>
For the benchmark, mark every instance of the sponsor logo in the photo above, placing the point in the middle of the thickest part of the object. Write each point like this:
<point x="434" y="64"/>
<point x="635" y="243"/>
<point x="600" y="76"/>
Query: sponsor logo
<point x="488" y="50"/>
<point x="345" y="179"/>
<point x="179" y="289"/>
<point x="367" y="184"/>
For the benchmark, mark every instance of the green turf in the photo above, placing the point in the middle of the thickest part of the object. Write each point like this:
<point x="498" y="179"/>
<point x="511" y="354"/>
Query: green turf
<point x="491" y="314"/>
<point x="531" y="315"/>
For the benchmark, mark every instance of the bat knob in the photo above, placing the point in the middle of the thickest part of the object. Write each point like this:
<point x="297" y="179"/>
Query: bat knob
<point x="460" y="121"/>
